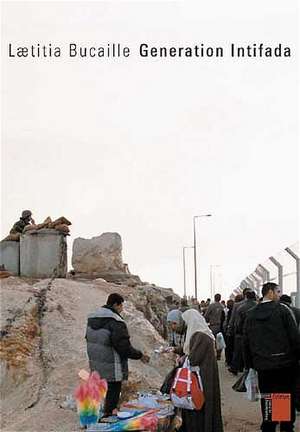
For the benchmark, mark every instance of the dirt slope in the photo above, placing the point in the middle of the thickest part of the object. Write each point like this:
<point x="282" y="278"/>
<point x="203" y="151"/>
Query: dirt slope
<point x="47" y="371"/>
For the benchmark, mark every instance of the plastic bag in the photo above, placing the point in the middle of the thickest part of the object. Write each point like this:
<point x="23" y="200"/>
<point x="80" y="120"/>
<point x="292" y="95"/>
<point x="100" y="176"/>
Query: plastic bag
<point x="220" y="342"/>
<point x="148" y="401"/>
<point x="251" y="384"/>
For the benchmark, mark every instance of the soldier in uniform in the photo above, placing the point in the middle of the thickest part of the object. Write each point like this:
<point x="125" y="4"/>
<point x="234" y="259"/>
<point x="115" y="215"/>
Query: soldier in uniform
<point x="25" y="219"/>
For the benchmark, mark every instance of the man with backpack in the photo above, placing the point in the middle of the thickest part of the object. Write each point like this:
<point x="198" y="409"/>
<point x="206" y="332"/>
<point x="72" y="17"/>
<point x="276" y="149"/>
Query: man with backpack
<point x="272" y="348"/>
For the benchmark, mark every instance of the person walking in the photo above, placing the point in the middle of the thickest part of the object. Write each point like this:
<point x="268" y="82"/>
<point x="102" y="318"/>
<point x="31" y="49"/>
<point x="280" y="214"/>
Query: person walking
<point x="200" y="347"/>
<point x="239" y="300"/>
<point x="272" y="347"/>
<point x="215" y="317"/>
<point x="237" y="362"/>
<point x="228" y="339"/>
<point x="286" y="299"/>
<point x="109" y="348"/>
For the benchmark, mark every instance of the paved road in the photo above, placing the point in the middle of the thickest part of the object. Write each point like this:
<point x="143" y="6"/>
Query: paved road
<point x="239" y="414"/>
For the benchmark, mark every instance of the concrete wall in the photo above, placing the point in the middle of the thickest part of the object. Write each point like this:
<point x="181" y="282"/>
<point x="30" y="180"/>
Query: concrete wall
<point x="41" y="252"/>
<point x="10" y="256"/>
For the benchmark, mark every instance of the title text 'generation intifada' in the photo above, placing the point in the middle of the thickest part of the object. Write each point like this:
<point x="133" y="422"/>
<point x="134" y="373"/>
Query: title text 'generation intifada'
<point x="145" y="50"/>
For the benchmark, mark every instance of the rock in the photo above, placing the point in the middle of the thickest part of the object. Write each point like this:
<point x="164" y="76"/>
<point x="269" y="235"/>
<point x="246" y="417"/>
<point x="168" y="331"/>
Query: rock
<point x="100" y="280"/>
<point x="102" y="254"/>
<point x="153" y="301"/>
<point x="132" y="282"/>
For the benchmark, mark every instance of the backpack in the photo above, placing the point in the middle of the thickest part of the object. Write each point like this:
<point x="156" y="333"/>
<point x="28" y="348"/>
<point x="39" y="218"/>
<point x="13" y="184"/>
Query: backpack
<point x="187" y="388"/>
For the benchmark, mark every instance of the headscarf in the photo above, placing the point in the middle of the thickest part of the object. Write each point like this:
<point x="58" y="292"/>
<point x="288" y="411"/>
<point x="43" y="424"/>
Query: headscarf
<point x="176" y="337"/>
<point x="175" y="316"/>
<point x="195" y="323"/>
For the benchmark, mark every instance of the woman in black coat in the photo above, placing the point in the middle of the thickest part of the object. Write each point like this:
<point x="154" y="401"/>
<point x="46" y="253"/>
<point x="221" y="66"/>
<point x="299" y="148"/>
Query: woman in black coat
<point x="200" y="347"/>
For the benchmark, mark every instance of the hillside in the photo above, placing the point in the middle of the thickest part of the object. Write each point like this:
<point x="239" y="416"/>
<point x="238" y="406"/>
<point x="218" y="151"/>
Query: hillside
<point x="43" y="347"/>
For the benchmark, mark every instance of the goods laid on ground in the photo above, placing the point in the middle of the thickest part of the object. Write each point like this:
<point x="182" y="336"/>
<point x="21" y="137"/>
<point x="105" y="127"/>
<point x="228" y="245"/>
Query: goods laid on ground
<point x="150" y="412"/>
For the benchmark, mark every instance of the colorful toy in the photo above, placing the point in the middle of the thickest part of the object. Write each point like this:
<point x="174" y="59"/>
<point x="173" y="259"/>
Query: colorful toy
<point x="89" y="396"/>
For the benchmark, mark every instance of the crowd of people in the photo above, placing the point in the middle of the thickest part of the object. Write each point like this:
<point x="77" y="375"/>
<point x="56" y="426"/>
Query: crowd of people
<point x="262" y="334"/>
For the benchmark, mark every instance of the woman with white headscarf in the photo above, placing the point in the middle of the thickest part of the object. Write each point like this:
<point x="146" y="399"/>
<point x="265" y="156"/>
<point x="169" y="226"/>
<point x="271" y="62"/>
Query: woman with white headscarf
<point x="200" y="347"/>
<point x="195" y="322"/>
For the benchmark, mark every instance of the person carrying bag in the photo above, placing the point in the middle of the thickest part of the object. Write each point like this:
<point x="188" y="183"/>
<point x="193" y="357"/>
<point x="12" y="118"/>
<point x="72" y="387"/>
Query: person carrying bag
<point x="187" y="388"/>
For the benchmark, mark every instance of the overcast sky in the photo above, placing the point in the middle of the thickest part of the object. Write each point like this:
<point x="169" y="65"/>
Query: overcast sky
<point x="140" y="146"/>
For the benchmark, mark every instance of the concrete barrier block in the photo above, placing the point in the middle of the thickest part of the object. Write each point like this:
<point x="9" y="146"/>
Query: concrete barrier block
<point x="42" y="251"/>
<point x="10" y="256"/>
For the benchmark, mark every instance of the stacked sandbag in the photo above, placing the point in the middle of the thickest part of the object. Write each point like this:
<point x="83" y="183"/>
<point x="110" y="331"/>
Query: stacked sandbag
<point x="61" y="224"/>
<point x="12" y="237"/>
<point x="4" y="274"/>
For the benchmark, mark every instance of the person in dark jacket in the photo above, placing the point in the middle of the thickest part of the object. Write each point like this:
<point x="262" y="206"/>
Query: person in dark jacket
<point x="286" y="299"/>
<point x="237" y="363"/>
<point x="239" y="300"/>
<point x="242" y="311"/>
<point x="109" y="348"/>
<point x="215" y="316"/>
<point x="296" y="311"/>
<point x="272" y="348"/>
<point x="228" y="339"/>
<point x="25" y="219"/>
<point x="200" y="347"/>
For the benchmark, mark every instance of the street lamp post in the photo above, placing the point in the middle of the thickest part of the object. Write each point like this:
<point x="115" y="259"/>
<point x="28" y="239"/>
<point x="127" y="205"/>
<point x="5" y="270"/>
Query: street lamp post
<point x="195" y="251"/>
<point x="184" y="268"/>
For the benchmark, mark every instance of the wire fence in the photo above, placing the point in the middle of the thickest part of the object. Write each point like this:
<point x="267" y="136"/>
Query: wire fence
<point x="281" y="268"/>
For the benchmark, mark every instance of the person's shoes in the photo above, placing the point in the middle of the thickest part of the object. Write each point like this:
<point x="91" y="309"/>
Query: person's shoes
<point x="232" y="371"/>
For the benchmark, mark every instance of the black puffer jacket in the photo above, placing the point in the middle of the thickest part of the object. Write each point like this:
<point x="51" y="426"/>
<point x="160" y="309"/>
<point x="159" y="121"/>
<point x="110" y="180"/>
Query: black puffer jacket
<point x="242" y="314"/>
<point x="271" y="337"/>
<point x="108" y="344"/>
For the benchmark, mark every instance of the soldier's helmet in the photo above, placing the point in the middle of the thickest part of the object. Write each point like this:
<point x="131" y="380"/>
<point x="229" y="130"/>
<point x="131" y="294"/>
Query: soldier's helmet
<point x="26" y="214"/>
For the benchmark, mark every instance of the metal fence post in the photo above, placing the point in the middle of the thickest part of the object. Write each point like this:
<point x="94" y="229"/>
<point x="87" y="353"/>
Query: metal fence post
<point x="243" y="285"/>
<point x="256" y="283"/>
<point x="265" y="271"/>
<point x="253" y="283"/>
<point x="250" y="283"/>
<point x="297" y="258"/>
<point x="259" y="278"/>
<point x="280" y="272"/>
